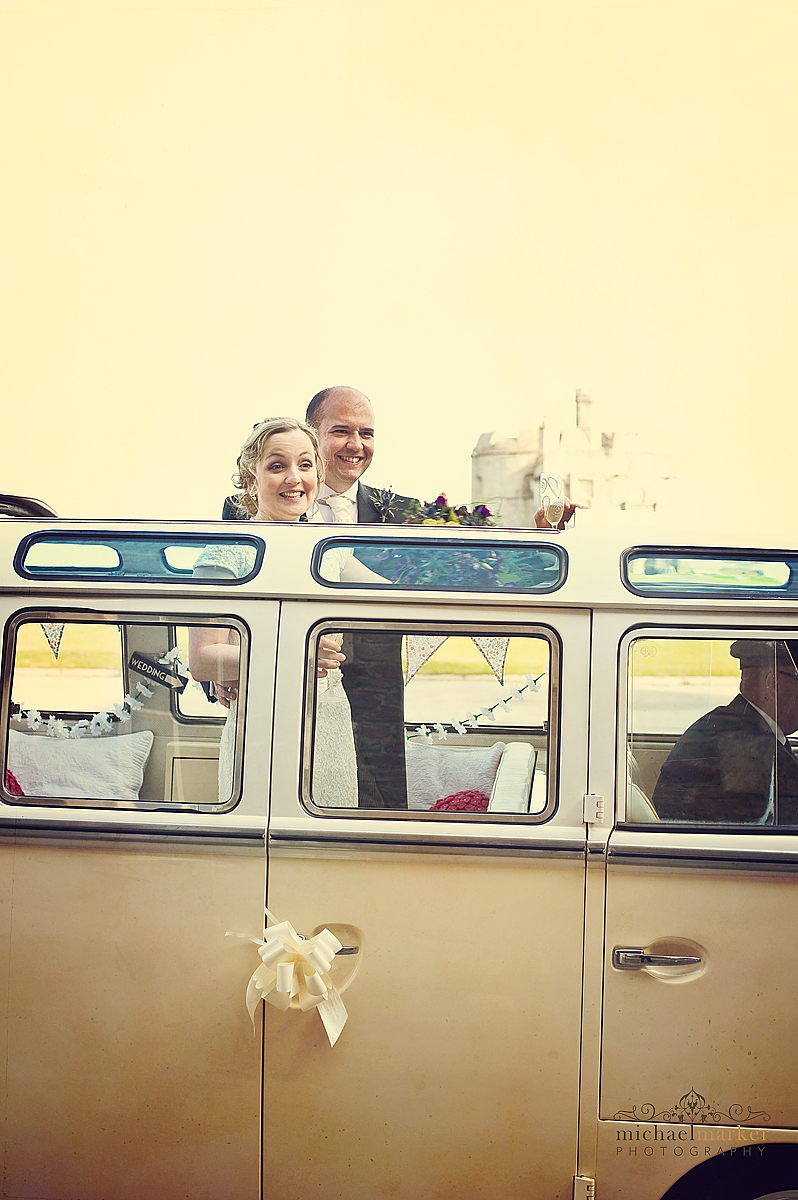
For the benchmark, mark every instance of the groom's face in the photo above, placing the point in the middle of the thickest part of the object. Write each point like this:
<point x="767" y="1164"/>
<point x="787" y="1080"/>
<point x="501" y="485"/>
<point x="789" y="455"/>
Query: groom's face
<point x="346" y="435"/>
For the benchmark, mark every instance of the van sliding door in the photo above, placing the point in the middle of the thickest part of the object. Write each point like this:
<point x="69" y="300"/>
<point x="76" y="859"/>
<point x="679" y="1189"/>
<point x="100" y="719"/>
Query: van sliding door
<point x="456" y="890"/>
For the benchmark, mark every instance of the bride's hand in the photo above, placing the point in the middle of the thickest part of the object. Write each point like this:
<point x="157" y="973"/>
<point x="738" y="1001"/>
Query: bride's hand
<point x="226" y="693"/>
<point x="329" y="654"/>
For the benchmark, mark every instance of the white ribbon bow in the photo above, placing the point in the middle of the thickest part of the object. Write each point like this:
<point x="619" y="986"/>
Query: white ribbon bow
<point x="296" y="966"/>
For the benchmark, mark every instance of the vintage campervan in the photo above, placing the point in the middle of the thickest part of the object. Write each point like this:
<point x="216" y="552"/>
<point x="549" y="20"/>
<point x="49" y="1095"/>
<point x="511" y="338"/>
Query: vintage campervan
<point x="551" y="988"/>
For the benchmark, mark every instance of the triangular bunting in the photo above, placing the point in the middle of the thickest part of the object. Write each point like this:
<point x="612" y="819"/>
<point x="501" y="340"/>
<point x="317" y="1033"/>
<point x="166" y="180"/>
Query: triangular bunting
<point x="494" y="651"/>
<point x="419" y="647"/>
<point x="53" y="632"/>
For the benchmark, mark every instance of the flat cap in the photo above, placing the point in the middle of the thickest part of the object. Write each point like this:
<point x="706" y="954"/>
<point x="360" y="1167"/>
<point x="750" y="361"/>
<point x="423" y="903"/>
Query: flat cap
<point x="753" y="653"/>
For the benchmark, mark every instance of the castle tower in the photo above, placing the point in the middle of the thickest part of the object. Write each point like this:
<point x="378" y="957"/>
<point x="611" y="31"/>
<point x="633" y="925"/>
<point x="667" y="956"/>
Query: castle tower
<point x="607" y="471"/>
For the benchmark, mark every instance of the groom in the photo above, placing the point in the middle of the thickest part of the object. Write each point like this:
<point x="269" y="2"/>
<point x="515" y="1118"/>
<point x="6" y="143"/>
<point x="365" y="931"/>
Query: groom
<point x="344" y="420"/>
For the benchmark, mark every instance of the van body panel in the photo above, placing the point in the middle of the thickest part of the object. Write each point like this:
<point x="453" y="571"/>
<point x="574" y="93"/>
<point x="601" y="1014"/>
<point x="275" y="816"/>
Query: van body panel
<point x="464" y="1000"/>
<point x="452" y="921"/>
<point x="131" y="1067"/>
<point x="493" y="1044"/>
<point x="644" y="1160"/>
<point x="131" y="1064"/>
<point x="724" y="1025"/>
<point x="725" y="897"/>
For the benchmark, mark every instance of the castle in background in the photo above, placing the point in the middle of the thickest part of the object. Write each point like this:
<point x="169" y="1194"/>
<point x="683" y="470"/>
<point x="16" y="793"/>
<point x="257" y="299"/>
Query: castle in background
<point x="603" y="471"/>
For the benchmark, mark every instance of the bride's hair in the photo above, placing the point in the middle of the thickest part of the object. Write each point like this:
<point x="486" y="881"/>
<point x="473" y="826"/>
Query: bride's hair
<point x="254" y="447"/>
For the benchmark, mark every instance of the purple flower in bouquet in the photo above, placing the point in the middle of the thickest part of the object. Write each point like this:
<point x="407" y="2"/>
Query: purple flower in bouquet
<point x="441" y="512"/>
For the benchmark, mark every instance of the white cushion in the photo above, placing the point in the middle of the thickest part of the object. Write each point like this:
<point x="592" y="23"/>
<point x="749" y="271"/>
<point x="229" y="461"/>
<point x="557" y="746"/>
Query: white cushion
<point x="101" y="768"/>
<point x="434" y="772"/>
<point x="513" y="783"/>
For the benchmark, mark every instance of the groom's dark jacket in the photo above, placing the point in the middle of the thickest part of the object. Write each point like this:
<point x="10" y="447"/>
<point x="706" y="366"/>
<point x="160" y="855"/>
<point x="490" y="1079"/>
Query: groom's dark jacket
<point x="369" y="514"/>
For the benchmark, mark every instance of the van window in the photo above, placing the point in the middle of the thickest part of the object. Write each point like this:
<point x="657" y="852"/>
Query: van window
<point x="648" y="571"/>
<point x="137" y="558"/>
<point x="435" y="724"/>
<point x="453" y="565"/>
<point x="103" y="713"/>
<point x="709" y="731"/>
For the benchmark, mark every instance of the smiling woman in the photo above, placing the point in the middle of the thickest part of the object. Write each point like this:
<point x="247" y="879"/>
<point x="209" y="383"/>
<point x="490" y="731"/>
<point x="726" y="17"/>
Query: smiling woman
<point x="279" y="470"/>
<point x="286" y="477"/>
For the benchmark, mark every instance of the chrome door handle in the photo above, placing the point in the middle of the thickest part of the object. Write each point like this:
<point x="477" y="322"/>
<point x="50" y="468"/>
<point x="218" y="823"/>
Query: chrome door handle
<point x="628" y="959"/>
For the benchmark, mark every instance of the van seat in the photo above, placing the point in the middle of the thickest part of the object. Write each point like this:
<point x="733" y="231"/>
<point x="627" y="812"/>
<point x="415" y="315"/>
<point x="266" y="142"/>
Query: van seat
<point x="638" y="805"/>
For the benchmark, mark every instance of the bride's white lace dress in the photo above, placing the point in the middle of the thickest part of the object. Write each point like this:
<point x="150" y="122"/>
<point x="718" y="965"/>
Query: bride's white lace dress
<point x="334" y="777"/>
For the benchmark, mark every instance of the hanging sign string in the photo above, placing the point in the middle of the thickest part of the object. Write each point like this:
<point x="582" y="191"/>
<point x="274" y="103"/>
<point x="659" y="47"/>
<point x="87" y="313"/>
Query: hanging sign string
<point x="104" y="722"/>
<point x="472" y="719"/>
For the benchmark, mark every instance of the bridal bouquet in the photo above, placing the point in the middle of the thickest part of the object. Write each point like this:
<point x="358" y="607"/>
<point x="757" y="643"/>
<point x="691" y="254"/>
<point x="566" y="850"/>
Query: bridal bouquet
<point x="460" y="563"/>
<point x="439" y="512"/>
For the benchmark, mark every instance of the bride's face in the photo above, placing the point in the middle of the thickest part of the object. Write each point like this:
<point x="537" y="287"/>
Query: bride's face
<point x="286" y="478"/>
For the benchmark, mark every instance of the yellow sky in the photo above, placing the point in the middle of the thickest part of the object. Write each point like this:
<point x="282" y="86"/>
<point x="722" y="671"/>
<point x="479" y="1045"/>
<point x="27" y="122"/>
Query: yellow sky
<point x="467" y="210"/>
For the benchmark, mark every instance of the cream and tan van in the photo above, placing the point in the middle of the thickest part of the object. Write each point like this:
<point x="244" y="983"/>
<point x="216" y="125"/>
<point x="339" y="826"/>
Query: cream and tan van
<point x="555" y="984"/>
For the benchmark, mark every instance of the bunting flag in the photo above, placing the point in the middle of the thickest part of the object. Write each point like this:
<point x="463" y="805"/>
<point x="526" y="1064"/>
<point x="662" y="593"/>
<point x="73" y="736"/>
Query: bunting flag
<point x="494" y="651"/>
<point x="53" y="632"/>
<point x="420" y="647"/>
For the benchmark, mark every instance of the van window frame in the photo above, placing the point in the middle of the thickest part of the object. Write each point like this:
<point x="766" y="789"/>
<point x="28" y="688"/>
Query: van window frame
<point x="673" y="631"/>
<point x="665" y="591"/>
<point x="115" y="540"/>
<point x="553" y="729"/>
<point x="63" y="614"/>
<point x="484" y="543"/>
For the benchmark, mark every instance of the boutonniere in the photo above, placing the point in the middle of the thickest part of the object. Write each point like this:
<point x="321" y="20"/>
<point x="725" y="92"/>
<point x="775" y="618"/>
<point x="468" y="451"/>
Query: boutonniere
<point x="386" y="502"/>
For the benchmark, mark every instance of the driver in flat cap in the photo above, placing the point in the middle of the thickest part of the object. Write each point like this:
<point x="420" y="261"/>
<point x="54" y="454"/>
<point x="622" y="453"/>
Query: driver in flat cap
<point x="734" y="765"/>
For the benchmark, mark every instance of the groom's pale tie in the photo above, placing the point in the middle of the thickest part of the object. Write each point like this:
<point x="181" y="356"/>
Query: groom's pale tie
<point x="343" y="509"/>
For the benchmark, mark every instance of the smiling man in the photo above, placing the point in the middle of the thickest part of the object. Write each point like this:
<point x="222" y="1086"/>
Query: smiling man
<point x="344" y="420"/>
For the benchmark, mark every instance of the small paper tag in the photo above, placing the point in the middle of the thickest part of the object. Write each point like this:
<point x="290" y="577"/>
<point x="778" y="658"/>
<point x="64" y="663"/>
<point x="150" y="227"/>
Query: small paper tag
<point x="333" y="1014"/>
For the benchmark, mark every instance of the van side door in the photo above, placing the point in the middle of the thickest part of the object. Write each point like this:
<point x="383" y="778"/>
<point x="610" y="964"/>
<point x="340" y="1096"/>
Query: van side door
<point x="460" y="913"/>
<point x="700" y="968"/>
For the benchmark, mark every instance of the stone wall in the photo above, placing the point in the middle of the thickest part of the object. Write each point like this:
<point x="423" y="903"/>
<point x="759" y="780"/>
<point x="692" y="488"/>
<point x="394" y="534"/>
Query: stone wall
<point x="609" y="471"/>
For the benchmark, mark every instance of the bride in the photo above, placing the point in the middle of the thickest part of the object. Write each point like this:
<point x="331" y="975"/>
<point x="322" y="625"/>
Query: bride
<point x="279" y="472"/>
